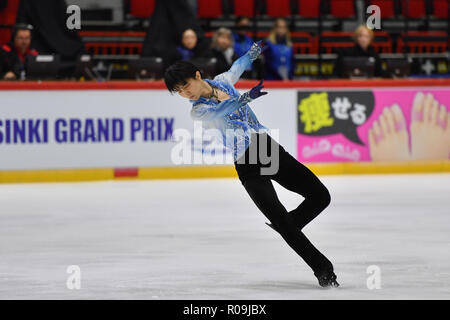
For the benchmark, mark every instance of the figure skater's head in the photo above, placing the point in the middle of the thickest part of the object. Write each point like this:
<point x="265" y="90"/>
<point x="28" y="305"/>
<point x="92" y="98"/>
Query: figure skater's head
<point x="186" y="79"/>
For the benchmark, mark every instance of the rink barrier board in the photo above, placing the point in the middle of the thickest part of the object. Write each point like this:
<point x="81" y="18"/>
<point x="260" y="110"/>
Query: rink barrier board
<point x="242" y="84"/>
<point x="92" y="174"/>
<point x="205" y="172"/>
<point x="55" y="175"/>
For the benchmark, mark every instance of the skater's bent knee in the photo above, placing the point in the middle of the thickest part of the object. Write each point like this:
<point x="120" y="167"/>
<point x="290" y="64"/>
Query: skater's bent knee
<point x="324" y="199"/>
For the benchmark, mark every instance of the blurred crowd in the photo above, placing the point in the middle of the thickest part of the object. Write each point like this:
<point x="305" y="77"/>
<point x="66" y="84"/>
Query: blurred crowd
<point x="277" y="62"/>
<point x="226" y="46"/>
<point x="42" y="31"/>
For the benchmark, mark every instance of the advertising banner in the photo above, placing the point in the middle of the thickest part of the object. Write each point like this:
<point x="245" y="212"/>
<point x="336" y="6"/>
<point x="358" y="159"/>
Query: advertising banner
<point x="69" y="129"/>
<point x="373" y="125"/>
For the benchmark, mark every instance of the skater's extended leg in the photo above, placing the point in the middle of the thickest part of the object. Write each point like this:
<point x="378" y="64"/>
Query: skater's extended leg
<point x="296" y="177"/>
<point x="263" y="194"/>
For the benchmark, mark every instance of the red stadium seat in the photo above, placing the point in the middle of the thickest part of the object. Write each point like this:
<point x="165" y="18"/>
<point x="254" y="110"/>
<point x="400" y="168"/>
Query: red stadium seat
<point x="209" y="8"/>
<point x="423" y="41"/>
<point x="342" y="8"/>
<point x="244" y="7"/>
<point x="382" y="42"/>
<point x="304" y="43"/>
<point x="332" y="41"/>
<point x="414" y="8"/>
<point x="261" y="35"/>
<point x="113" y="34"/>
<point x="142" y="8"/>
<point x="309" y="8"/>
<point x="8" y="17"/>
<point x="278" y="8"/>
<point x="440" y="9"/>
<point x="113" y="48"/>
<point x="387" y="9"/>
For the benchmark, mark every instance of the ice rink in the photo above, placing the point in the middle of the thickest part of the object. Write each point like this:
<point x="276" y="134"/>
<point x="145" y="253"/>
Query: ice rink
<point x="159" y="240"/>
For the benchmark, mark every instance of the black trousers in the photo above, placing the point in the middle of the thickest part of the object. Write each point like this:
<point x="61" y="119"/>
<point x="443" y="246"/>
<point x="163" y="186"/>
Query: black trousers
<point x="294" y="176"/>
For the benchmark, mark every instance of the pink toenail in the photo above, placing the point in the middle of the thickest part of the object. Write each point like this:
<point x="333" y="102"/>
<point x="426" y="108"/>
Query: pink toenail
<point x="417" y="116"/>
<point x="441" y="123"/>
<point x="378" y="137"/>
<point x="399" y="126"/>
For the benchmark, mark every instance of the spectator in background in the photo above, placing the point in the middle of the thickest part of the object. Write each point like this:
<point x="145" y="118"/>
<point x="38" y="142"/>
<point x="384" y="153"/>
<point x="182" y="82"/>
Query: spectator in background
<point x="51" y="34"/>
<point x="363" y="48"/>
<point x="280" y="59"/>
<point x="242" y="42"/>
<point x="189" y="47"/>
<point x="13" y="55"/>
<point x="222" y="48"/>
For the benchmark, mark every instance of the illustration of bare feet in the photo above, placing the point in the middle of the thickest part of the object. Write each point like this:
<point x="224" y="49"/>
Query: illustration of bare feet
<point x="388" y="137"/>
<point x="430" y="129"/>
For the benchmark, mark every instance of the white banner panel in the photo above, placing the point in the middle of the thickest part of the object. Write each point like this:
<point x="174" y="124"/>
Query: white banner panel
<point x="111" y="128"/>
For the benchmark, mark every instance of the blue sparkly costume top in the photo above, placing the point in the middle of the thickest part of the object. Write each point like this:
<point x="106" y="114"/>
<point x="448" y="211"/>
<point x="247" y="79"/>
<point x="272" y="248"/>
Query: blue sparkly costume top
<point x="232" y="118"/>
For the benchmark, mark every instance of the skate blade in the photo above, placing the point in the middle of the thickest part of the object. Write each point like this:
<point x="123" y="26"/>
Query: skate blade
<point x="329" y="287"/>
<point x="271" y="225"/>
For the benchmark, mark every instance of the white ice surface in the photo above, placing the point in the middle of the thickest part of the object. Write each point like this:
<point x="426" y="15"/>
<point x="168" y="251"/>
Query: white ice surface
<point x="160" y="240"/>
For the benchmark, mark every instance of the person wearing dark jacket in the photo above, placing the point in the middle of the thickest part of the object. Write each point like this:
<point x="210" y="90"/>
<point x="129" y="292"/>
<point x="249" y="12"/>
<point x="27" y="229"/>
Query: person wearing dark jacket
<point x="280" y="58"/>
<point x="363" y="48"/>
<point x="190" y="46"/>
<point x="13" y="55"/>
<point x="51" y="34"/>
<point x="242" y="42"/>
<point x="223" y="50"/>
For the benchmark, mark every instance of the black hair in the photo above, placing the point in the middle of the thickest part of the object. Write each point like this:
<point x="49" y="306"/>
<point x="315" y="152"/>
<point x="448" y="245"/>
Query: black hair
<point x="19" y="27"/>
<point x="178" y="73"/>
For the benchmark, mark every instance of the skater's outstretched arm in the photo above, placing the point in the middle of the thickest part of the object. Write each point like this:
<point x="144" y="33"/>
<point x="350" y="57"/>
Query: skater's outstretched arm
<point x="241" y="64"/>
<point x="204" y="111"/>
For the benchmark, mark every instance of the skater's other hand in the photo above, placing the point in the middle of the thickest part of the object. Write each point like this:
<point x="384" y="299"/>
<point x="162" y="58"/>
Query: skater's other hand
<point x="256" y="92"/>
<point x="256" y="49"/>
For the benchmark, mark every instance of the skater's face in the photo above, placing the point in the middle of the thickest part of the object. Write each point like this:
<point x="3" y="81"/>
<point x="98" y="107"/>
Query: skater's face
<point x="193" y="88"/>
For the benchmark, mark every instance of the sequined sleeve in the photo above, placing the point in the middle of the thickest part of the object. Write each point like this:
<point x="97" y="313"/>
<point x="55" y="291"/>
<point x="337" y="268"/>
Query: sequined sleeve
<point x="240" y="65"/>
<point x="203" y="111"/>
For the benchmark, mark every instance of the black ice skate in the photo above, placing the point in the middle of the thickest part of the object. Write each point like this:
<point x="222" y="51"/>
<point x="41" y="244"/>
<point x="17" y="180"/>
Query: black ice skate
<point x="327" y="279"/>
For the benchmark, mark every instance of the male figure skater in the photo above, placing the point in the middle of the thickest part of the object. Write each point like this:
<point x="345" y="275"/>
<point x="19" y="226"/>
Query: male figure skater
<point x="219" y="105"/>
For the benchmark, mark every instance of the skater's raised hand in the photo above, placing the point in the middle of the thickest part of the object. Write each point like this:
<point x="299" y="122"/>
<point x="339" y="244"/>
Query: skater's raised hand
<point x="256" y="92"/>
<point x="256" y="49"/>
